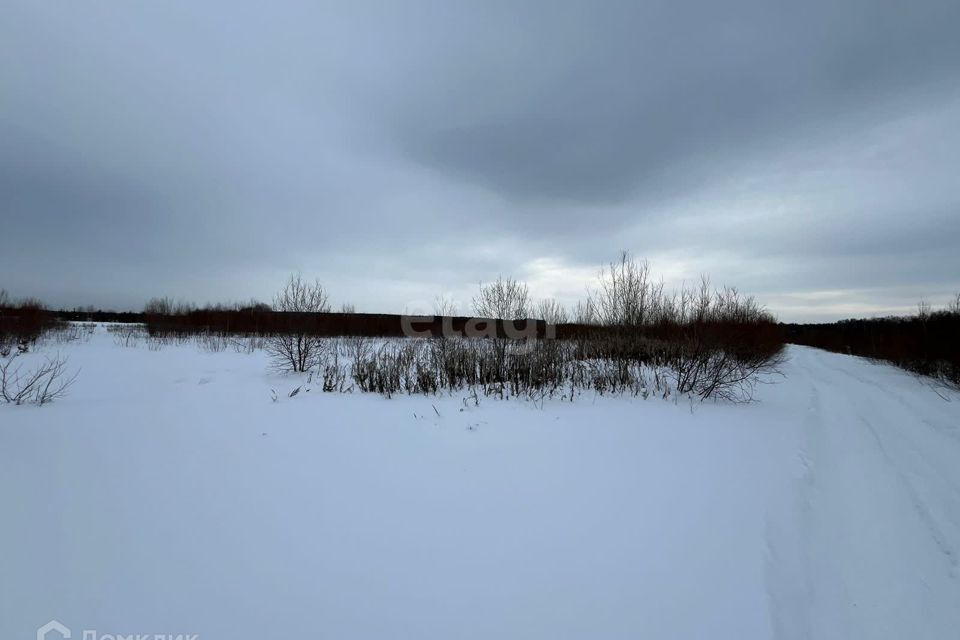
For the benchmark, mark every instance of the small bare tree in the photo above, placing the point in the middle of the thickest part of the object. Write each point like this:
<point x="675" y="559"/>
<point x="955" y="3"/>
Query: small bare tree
<point x="552" y="312"/>
<point x="159" y="306"/>
<point x="625" y="295"/>
<point x="444" y="305"/>
<point x="503" y="299"/>
<point x="4" y="299"/>
<point x="295" y="349"/>
<point x="584" y="313"/>
<point x="347" y="307"/>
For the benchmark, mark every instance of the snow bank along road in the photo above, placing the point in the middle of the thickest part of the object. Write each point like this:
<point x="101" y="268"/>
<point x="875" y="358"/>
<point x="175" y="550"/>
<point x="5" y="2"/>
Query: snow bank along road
<point x="169" y="494"/>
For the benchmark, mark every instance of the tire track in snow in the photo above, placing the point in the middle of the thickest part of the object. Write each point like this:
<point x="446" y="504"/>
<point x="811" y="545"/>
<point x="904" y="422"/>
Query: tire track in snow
<point x="923" y="510"/>
<point x="788" y="582"/>
<point x="923" y="468"/>
<point x="883" y="490"/>
<point x="796" y="574"/>
<point x="947" y="429"/>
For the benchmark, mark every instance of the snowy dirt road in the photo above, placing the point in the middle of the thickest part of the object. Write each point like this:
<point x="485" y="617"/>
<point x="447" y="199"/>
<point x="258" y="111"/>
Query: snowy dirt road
<point x="878" y="504"/>
<point x="169" y="494"/>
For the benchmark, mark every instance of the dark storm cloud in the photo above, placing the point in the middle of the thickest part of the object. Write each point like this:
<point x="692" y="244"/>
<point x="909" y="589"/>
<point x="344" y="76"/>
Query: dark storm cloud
<point x="395" y="149"/>
<point x="640" y="87"/>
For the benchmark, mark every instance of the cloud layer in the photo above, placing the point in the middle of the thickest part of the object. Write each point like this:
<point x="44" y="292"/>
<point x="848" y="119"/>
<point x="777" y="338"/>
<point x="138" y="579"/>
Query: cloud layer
<point x="807" y="153"/>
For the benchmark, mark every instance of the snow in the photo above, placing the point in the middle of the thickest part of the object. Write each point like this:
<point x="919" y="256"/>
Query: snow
<point x="169" y="494"/>
<point x="878" y="504"/>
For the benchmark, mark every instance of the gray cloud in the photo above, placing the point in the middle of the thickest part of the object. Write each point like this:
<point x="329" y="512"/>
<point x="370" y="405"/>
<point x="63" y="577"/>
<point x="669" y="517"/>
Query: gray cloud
<point x="203" y="150"/>
<point x="643" y="87"/>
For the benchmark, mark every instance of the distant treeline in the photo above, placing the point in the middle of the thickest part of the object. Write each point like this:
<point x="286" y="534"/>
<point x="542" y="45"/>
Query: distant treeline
<point x="331" y="324"/>
<point x="263" y="321"/>
<point x="77" y="315"/>
<point x="29" y="319"/>
<point x="927" y="343"/>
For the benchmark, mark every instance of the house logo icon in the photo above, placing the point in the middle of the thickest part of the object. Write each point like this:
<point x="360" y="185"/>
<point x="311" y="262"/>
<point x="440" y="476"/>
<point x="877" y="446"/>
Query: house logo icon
<point x="46" y="632"/>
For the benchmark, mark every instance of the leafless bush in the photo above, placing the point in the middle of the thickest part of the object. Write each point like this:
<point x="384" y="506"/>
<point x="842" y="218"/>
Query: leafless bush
<point x="714" y="343"/>
<point x="625" y="294"/>
<point x="296" y="350"/>
<point x="67" y="332"/>
<point x="444" y="305"/>
<point x="536" y="369"/>
<point x="584" y="313"/>
<point x="552" y="312"/>
<point x="213" y="342"/>
<point x="159" y="306"/>
<point x="361" y="355"/>
<point x="333" y="375"/>
<point x="248" y="344"/>
<point x="503" y="299"/>
<point x="699" y="368"/>
<point x="39" y="385"/>
<point x="166" y="306"/>
<point x="127" y="335"/>
<point x="22" y="322"/>
<point x="719" y="344"/>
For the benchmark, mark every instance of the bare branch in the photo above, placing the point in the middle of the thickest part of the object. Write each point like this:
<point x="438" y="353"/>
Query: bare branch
<point x="503" y="299"/>
<point x="40" y="385"/>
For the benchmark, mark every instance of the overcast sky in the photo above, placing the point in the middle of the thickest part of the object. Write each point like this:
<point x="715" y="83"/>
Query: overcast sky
<point x="807" y="152"/>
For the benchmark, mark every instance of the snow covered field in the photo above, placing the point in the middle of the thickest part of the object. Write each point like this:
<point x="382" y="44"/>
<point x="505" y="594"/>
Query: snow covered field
<point x="168" y="494"/>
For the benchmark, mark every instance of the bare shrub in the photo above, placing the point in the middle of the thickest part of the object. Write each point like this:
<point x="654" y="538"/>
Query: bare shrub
<point x="552" y="312"/>
<point x="625" y="295"/>
<point x="534" y="370"/>
<point x="719" y="344"/>
<point x="39" y="385"/>
<point x="334" y="376"/>
<point x="247" y="344"/>
<point x="159" y="307"/>
<point x="213" y="342"/>
<point x="701" y="368"/>
<point x="297" y="350"/>
<point x="22" y="322"/>
<point x="714" y="344"/>
<point x="127" y="335"/>
<point x="67" y="332"/>
<point x="444" y="305"/>
<point x="503" y="299"/>
<point x="584" y="313"/>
